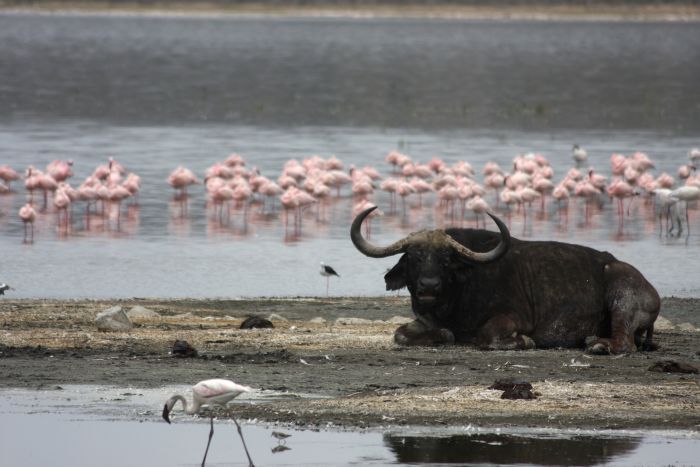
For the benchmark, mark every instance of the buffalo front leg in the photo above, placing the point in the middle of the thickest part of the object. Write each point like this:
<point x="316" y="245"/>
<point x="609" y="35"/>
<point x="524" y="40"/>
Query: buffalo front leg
<point x="501" y="333"/>
<point x="419" y="333"/>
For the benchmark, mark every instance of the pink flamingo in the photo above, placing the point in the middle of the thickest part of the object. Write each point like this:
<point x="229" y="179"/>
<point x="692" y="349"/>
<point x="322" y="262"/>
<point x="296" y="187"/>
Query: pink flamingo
<point x="543" y="186"/>
<point x="117" y="194"/>
<point x="62" y="201"/>
<point x="479" y="207"/>
<point x="665" y="180"/>
<point x="447" y="195"/>
<point x="685" y="171"/>
<point x="363" y="187"/>
<point x="8" y="175"/>
<point x="436" y="164"/>
<point x="31" y="181"/>
<point x="333" y="163"/>
<point x="618" y="164"/>
<point x="390" y="185"/>
<point x="133" y="184"/>
<point x="585" y="189"/>
<point x="181" y="178"/>
<point x="28" y="215"/>
<point x="234" y="160"/>
<point x="361" y="206"/>
<point x="60" y="170"/>
<point x="87" y="193"/>
<point x="620" y="189"/>
<point x="421" y="187"/>
<point x="397" y="159"/>
<point x="403" y="189"/>
<point x="270" y="190"/>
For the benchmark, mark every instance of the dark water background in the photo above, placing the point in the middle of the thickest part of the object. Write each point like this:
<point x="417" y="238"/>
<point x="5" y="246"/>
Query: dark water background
<point x="158" y="91"/>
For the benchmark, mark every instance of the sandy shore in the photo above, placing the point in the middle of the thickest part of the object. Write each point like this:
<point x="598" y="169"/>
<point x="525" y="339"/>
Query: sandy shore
<point x="594" y="12"/>
<point x="354" y="372"/>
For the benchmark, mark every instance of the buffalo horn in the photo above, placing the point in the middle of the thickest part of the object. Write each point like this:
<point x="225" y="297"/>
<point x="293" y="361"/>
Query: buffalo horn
<point x="368" y="248"/>
<point x="486" y="256"/>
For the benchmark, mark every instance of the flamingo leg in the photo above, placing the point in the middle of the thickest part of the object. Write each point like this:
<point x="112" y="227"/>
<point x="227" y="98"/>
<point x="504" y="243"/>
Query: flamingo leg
<point x="240" y="433"/>
<point x="211" y="433"/>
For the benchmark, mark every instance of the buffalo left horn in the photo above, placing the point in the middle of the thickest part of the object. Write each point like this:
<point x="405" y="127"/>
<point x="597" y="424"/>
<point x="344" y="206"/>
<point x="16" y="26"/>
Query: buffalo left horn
<point x="400" y="246"/>
<point x="368" y="248"/>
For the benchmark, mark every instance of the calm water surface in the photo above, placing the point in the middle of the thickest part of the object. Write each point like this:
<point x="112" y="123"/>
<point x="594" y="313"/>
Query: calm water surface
<point x="89" y="425"/>
<point x="156" y="92"/>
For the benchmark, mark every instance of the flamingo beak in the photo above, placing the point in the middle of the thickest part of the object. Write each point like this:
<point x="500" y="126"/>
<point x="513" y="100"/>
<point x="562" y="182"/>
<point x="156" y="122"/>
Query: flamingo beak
<point x="166" y="413"/>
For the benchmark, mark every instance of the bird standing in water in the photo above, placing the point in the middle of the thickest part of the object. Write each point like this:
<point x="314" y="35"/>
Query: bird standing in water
<point x="280" y="436"/>
<point x="579" y="154"/>
<point x="210" y="392"/>
<point x="327" y="271"/>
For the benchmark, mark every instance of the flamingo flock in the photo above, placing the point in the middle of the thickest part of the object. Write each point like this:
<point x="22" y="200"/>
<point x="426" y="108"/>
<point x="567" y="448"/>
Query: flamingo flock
<point x="311" y="187"/>
<point x="106" y="187"/>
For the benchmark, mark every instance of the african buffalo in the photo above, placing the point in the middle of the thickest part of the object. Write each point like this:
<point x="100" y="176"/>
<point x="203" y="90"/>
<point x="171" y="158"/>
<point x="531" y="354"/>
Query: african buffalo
<point x="498" y="292"/>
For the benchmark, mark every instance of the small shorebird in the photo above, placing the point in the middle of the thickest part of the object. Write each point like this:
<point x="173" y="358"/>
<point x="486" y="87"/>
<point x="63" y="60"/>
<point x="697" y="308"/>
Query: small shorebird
<point x="4" y="287"/>
<point x="279" y="436"/>
<point x="210" y="392"/>
<point x="327" y="271"/>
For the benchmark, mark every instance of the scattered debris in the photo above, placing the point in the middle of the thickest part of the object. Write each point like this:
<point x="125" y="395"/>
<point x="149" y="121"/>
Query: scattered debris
<point x="399" y="320"/>
<point x="518" y="393"/>
<point x="113" y="319"/>
<point x="576" y="363"/>
<point x="352" y="321"/>
<point x="140" y="312"/>
<point x="256" y="322"/>
<point x="514" y="388"/>
<point x="505" y="384"/>
<point x="276" y="317"/>
<point x="183" y="349"/>
<point x="672" y="366"/>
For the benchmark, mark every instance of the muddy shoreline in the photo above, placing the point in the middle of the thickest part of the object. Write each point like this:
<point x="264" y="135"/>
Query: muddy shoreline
<point x="335" y="370"/>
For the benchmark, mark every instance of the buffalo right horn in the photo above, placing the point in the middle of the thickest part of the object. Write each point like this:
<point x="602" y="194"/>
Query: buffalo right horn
<point x="368" y="248"/>
<point x="487" y="256"/>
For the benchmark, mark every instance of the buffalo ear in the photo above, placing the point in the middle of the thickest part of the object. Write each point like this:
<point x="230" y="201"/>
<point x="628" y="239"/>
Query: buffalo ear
<point x="395" y="279"/>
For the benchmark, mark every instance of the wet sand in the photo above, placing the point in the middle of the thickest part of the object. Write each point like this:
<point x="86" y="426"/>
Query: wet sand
<point x="353" y="372"/>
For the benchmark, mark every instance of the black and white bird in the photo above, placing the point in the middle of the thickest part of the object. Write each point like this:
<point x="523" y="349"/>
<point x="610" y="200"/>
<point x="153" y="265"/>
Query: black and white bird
<point x="4" y="287"/>
<point x="327" y="271"/>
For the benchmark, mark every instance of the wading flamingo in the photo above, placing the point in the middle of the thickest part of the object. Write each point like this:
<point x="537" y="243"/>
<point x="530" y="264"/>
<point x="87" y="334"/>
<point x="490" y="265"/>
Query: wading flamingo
<point x="28" y="215"/>
<point x="210" y="392"/>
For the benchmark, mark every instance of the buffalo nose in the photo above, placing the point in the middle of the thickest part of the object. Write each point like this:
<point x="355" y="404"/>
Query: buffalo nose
<point x="429" y="283"/>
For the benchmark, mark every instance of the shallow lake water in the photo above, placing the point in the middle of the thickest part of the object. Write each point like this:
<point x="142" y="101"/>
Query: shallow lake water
<point x="94" y="425"/>
<point x="156" y="91"/>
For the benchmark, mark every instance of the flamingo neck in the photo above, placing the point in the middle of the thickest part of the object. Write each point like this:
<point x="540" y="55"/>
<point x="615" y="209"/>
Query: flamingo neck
<point x="189" y="409"/>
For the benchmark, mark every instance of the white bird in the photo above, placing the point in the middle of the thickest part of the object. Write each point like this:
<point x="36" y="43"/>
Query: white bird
<point x="579" y="154"/>
<point x="686" y="193"/>
<point x="4" y="287"/>
<point x="694" y="156"/>
<point x="327" y="271"/>
<point x="210" y="392"/>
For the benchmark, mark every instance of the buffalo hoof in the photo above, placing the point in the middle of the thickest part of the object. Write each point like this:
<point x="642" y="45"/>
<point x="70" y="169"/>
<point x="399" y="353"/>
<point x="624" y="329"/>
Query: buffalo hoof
<point x="649" y="347"/>
<point x="598" y="346"/>
<point x="528" y="343"/>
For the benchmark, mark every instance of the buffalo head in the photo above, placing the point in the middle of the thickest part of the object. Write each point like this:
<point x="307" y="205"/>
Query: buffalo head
<point x="433" y="263"/>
